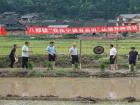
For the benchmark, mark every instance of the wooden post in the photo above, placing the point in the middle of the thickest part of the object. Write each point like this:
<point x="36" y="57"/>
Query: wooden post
<point x="80" y="54"/>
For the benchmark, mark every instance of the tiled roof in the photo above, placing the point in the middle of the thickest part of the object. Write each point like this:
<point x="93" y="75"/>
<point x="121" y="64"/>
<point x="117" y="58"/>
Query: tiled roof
<point x="129" y="15"/>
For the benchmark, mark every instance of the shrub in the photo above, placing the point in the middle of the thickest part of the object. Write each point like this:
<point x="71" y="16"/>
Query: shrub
<point x="103" y="63"/>
<point x="30" y="65"/>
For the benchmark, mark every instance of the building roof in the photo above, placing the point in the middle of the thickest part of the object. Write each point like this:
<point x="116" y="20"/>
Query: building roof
<point x="78" y="23"/>
<point x="129" y="16"/>
<point x="19" y="27"/>
<point x="9" y="13"/>
<point x="58" y="26"/>
<point x="12" y="23"/>
<point x="9" y="20"/>
<point x="31" y="15"/>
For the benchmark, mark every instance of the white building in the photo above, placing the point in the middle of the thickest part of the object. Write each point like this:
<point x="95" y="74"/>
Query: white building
<point x="128" y="19"/>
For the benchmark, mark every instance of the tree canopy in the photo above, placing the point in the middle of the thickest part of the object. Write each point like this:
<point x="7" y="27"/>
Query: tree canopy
<point x="72" y="9"/>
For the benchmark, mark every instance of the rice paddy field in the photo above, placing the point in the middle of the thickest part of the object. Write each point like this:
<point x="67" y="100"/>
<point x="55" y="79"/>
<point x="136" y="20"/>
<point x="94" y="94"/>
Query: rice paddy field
<point x="38" y="47"/>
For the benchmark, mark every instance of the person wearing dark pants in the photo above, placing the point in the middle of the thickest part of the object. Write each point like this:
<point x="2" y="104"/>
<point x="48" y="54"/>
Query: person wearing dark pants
<point x="12" y="56"/>
<point x="51" y="55"/>
<point x="25" y="62"/>
<point x="25" y="55"/>
<point x="113" y="54"/>
<point x="73" y="53"/>
<point x="75" y="59"/>
<point x="132" y="57"/>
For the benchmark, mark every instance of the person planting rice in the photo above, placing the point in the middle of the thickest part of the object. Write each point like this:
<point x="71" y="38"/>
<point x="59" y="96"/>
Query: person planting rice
<point x="73" y="53"/>
<point x="132" y="57"/>
<point x="51" y="55"/>
<point x="113" y="53"/>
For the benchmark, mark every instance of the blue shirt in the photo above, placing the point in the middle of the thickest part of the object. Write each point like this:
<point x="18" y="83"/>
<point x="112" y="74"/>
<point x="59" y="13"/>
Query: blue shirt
<point x="51" y="50"/>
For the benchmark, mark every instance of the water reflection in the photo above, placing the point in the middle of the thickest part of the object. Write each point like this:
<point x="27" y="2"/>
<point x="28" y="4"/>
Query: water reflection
<point x="109" y="88"/>
<point x="5" y="102"/>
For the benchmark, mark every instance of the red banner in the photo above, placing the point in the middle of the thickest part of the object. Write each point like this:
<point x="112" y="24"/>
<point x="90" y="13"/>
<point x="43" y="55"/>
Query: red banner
<point x="81" y="30"/>
<point x="2" y="31"/>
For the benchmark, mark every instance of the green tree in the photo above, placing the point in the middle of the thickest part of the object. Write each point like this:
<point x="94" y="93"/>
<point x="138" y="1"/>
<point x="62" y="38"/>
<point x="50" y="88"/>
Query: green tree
<point x="72" y="9"/>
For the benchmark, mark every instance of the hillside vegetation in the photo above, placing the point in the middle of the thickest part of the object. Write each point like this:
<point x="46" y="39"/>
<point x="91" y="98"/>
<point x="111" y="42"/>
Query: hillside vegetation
<point x="72" y="9"/>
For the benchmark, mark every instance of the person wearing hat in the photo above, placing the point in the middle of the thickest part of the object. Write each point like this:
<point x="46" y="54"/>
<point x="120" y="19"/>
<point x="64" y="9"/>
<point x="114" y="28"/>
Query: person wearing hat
<point x="51" y="55"/>
<point x="73" y="53"/>
<point x="132" y="57"/>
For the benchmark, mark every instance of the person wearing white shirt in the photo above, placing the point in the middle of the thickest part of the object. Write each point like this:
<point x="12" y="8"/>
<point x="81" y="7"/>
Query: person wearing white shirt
<point x="51" y="55"/>
<point x="25" y="55"/>
<point x="73" y="53"/>
<point x="113" y="53"/>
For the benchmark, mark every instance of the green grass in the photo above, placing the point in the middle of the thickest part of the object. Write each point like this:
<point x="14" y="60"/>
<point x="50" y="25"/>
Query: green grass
<point x="62" y="45"/>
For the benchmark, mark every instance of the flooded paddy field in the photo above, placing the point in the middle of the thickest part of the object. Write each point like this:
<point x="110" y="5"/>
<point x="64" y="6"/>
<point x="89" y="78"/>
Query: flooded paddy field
<point x="15" y="102"/>
<point x="64" y="87"/>
<point x="82" y="88"/>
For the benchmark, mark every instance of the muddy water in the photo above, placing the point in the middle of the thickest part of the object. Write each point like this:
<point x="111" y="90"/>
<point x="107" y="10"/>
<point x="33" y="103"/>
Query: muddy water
<point x="4" y="102"/>
<point x="111" y="88"/>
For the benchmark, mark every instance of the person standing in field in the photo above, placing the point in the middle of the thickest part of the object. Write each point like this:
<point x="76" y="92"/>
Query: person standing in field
<point x="113" y="55"/>
<point x="12" y="56"/>
<point x="132" y="57"/>
<point x="25" y="55"/>
<point x="73" y="53"/>
<point x="51" y="55"/>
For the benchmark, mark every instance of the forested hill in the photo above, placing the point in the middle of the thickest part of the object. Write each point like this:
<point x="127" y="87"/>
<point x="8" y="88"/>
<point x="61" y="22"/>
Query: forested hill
<point x="72" y="9"/>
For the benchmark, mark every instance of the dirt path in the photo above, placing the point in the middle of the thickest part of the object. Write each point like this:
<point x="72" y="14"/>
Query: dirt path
<point x="66" y="72"/>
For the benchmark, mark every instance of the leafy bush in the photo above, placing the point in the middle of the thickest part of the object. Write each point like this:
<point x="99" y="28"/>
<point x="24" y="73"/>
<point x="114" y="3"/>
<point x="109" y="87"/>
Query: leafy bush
<point x="103" y="63"/>
<point x="30" y="65"/>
